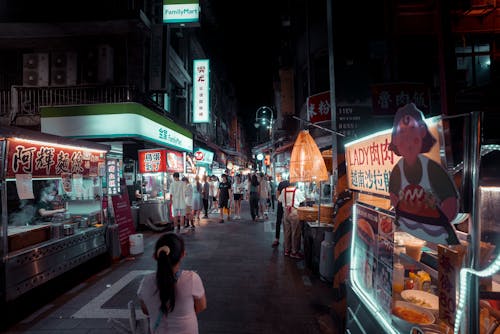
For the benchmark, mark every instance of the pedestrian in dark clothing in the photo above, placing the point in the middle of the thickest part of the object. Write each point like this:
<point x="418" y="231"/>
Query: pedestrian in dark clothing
<point x="254" y="197"/>
<point x="205" y="193"/>
<point x="225" y="193"/>
<point x="272" y="192"/>
<point x="279" y="215"/>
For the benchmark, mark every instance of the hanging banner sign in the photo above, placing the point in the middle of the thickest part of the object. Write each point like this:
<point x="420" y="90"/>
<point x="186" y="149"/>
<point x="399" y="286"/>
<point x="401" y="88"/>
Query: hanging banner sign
<point x="201" y="87"/>
<point x="152" y="161"/>
<point x="46" y="159"/>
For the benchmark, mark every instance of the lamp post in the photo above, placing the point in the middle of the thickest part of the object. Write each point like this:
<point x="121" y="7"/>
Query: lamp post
<point x="264" y="116"/>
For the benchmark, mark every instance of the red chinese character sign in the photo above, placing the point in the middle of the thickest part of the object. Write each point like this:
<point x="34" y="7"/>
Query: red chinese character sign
<point x="152" y="161"/>
<point x="387" y="98"/>
<point x="318" y="107"/>
<point x="46" y="159"/>
<point x="421" y="191"/>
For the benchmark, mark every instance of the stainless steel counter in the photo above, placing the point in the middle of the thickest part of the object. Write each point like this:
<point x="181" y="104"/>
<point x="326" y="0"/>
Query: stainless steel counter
<point x="30" y="267"/>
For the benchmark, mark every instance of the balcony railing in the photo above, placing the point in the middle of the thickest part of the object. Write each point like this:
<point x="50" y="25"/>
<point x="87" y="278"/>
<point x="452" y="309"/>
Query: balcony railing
<point x="26" y="101"/>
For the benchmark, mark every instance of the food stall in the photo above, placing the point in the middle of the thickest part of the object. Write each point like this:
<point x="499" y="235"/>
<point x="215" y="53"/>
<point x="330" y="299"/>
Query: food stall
<point x="155" y="168"/>
<point x="411" y="244"/>
<point x="51" y="222"/>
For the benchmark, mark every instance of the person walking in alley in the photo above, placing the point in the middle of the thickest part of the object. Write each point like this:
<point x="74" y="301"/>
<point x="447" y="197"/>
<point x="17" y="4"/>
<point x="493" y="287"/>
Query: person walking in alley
<point x="225" y="194"/>
<point x="188" y="195"/>
<point x="214" y="188"/>
<point x="205" y="194"/>
<point x="238" y="193"/>
<point x="197" y="200"/>
<point x="279" y="214"/>
<point x="263" y="196"/>
<point x="178" y="198"/>
<point x="290" y="198"/>
<point x="172" y="297"/>
<point x="254" y="197"/>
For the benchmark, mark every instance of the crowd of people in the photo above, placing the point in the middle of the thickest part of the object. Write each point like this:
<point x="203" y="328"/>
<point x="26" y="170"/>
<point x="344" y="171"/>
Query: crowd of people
<point x="195" y="199"/>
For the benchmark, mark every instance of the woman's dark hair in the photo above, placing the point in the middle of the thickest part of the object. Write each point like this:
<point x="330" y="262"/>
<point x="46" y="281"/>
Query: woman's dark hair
<point x="254" y="181"/>
<point x="411" y="110"/>
<point x="168" y="252"/>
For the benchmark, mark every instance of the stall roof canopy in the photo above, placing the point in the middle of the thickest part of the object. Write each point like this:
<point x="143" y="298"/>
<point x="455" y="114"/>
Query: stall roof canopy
<point x="15" y="132"/>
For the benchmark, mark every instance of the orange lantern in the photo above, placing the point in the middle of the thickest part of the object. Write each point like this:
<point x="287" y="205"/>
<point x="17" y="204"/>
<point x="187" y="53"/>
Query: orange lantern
<point x="306" y="161"/>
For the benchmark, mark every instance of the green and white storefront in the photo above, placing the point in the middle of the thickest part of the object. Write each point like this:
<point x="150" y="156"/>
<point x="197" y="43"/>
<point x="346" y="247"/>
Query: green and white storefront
<point x="126" y="127"/>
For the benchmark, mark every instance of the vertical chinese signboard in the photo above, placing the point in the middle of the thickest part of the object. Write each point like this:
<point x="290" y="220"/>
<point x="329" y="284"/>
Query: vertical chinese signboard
<point x="201" y="90"/>
<point x="46" y="159"/>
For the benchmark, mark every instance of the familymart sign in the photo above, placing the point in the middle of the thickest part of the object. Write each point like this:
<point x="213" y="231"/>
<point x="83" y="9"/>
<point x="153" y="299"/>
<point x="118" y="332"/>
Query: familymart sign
<point x="181" y="11"/>
<point x="115" y="120"/>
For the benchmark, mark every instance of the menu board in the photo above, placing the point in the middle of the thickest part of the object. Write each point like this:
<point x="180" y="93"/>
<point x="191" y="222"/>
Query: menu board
<point x="373" y="253"/>
<point x="123" y="217"/>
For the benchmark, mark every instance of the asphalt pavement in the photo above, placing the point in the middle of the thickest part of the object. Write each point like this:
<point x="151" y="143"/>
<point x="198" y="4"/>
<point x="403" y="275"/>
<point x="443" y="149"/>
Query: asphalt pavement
<point x="251" y="287"/>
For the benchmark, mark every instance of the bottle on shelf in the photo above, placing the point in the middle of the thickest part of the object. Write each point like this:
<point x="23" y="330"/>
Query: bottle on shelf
<point x="398" y="281"/>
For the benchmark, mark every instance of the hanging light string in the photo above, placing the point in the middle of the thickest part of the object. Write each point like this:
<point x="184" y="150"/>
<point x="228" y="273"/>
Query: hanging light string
<point x="319" y="126"/>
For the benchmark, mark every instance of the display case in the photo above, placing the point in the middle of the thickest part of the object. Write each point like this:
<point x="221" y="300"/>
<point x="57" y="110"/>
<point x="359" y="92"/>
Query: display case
<point x="411" y="278"/>
<point x="51" y="207"/>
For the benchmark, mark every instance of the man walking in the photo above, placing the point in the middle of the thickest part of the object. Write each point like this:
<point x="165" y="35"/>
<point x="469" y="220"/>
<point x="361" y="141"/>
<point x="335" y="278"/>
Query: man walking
<point x="290" y="198"/>
<point x="279" y="214"/>
<point x="178" y="194"/>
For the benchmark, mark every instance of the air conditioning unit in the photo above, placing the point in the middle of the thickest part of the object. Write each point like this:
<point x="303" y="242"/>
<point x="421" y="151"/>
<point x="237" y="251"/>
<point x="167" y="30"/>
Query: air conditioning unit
<point x="36" y="69"/>
<point x="105" y="63"/>
<point x="63" y="69"/>
<point x="89" y="65"/>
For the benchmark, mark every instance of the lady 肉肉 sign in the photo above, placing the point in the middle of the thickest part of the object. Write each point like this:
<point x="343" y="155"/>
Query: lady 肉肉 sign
<point x="369" y="161"/>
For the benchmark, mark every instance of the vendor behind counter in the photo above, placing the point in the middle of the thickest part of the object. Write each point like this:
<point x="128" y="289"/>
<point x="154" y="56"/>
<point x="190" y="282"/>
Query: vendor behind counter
<point x="47" y="207"/>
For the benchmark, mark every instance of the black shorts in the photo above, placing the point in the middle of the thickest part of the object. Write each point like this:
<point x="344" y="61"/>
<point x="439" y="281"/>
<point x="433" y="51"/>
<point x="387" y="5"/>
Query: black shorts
<point x="223" y="203"/>
<point x="237" y="197"/>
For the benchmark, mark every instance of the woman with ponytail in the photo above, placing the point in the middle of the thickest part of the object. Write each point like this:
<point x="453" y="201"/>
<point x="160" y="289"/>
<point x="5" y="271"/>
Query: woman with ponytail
<point x="172" y="297"/>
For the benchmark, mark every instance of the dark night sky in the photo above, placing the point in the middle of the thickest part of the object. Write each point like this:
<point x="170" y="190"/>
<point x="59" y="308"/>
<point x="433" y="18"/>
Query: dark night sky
<point x="244" y="41"/>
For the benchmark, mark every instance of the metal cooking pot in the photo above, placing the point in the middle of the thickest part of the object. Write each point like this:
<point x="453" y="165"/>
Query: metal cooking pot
<point x="69" y="229"/>
<point x="56" y="230"/>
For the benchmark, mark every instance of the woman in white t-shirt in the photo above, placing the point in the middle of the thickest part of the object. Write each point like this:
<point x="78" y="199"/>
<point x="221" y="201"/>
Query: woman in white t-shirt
<point x="239" y="189"/>
<point x="172" y="297"/>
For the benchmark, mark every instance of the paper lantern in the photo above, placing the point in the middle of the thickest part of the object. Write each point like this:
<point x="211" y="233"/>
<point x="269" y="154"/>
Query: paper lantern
<point x="306" y="161"/>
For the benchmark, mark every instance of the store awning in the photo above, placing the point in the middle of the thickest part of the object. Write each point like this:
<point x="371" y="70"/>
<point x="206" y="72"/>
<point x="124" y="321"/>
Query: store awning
<point x="114" y="121"/>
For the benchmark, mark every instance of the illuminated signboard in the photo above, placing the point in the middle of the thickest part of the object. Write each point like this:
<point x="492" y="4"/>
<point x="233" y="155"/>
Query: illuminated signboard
<point x="201" y="94"/>
<point x="118" y="120"/>
<point x="175" y="162"/>
<point x="42" y="159"/>
<point x="370" y="162"/>
<point x="153" y="161"/>
<point x="181" y="11"/>
<point x="203" y="156"/>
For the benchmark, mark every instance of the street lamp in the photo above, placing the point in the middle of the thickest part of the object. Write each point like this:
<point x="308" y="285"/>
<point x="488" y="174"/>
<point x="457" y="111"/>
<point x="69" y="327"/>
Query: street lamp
<point x="264" y="116"/>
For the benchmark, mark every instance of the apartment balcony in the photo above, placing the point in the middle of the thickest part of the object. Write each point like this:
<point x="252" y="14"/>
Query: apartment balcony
<point x="20" y="106"/>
